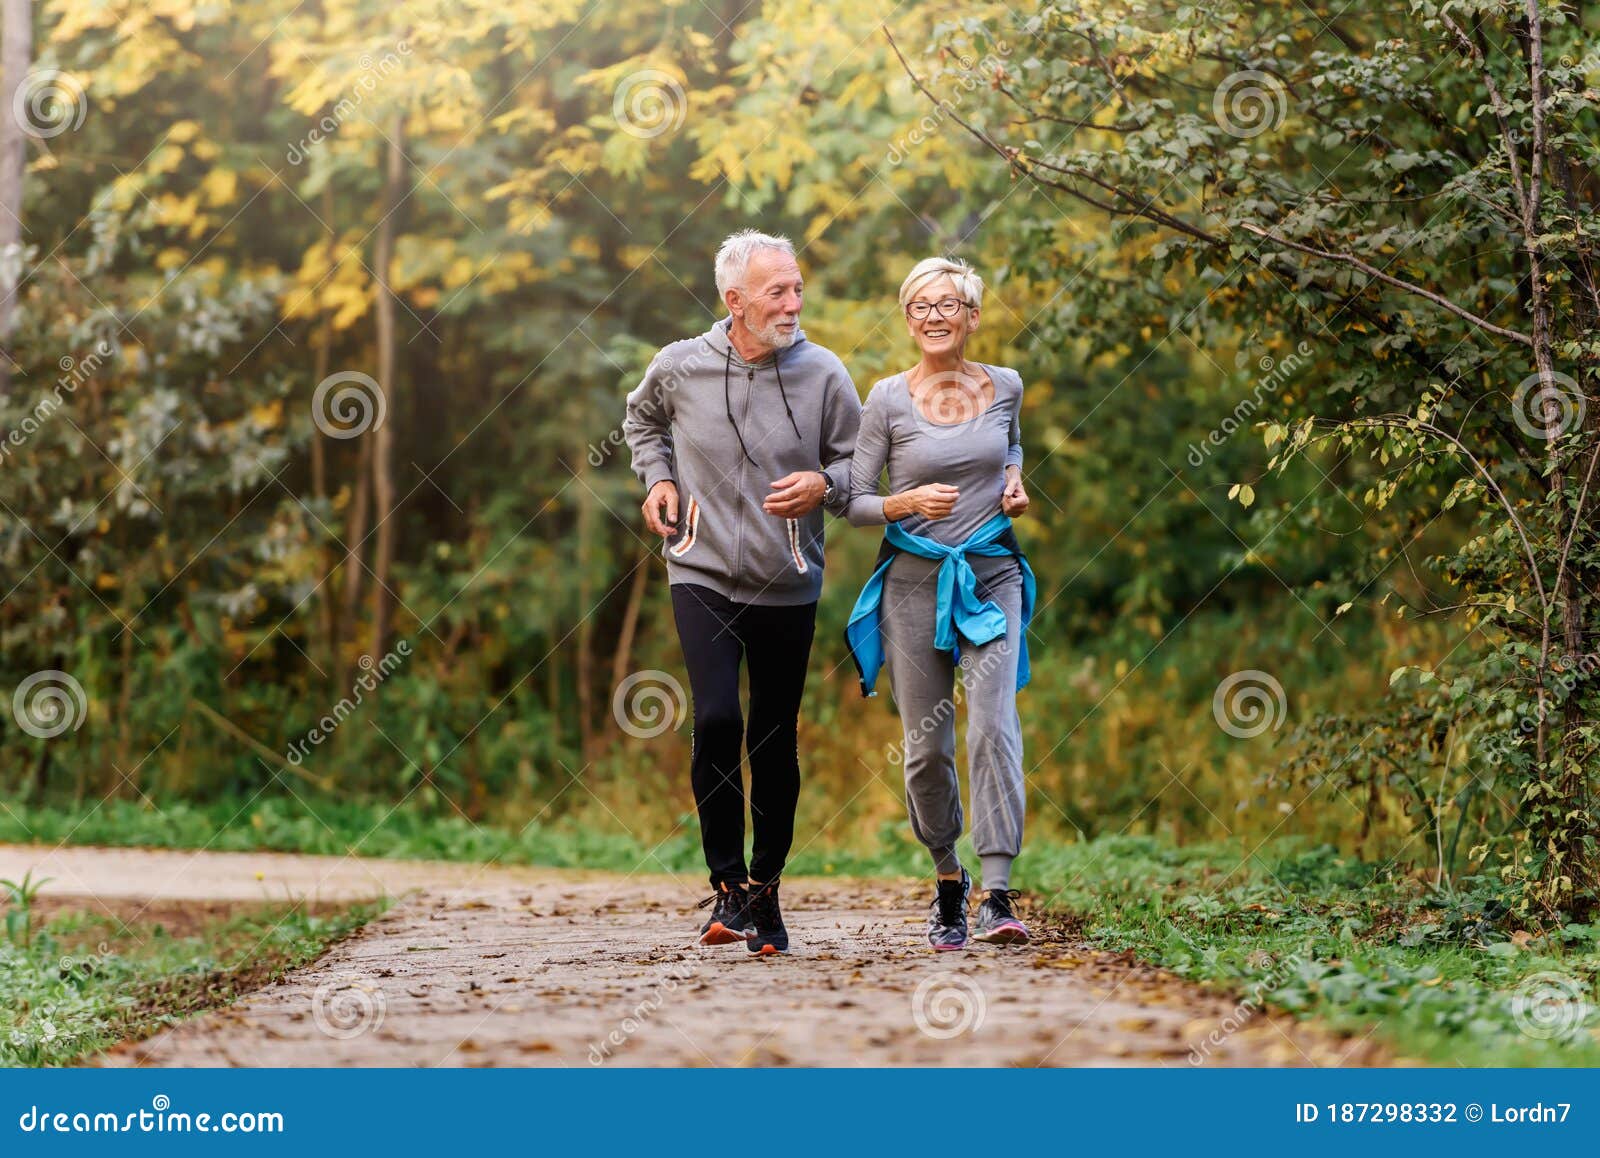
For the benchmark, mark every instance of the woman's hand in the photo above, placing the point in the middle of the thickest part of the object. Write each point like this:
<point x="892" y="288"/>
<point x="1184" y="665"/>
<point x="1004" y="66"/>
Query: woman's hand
<point x="1015" y="501"/>
<point x="934" y="501"/>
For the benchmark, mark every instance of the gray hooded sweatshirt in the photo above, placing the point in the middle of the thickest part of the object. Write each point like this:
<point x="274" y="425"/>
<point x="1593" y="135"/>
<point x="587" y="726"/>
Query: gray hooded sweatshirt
<point x="723" y="430"/>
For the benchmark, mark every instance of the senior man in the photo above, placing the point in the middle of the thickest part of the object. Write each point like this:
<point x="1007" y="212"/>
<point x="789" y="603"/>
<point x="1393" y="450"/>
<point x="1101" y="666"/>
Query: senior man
<point x="742" y="436"/>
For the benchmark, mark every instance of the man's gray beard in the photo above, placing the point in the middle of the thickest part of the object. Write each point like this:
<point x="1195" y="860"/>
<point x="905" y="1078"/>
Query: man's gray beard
<point x="775" y="338"/>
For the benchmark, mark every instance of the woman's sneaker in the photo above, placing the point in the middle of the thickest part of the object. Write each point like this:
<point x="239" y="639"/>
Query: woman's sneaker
<point x="729" y="922"/>
<point x="767" y="934"/>
<point x="947" y="915"/>
<point x="997" y="924"/>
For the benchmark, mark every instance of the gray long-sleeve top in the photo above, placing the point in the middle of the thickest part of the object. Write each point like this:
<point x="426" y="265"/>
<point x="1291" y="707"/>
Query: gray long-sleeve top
<point x="971" y="455"/>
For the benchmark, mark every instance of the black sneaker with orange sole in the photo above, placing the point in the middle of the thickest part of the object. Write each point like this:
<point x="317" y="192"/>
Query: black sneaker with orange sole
<point x="729" y="922"/>
<point x="768" y="934"/>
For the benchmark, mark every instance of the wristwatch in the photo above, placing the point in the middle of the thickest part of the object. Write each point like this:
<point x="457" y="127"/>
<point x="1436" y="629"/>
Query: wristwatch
<point x="827" y="487"/>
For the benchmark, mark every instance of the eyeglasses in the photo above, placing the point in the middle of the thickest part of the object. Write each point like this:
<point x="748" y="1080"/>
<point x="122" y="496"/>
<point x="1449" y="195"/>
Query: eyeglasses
<point x="947" y="308"/>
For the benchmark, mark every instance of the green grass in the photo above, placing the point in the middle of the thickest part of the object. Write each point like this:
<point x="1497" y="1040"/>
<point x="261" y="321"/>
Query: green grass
<point x="339" y="827"/>
<point x="80" y="982"/>
<point x="1356" y="945"/>
<point x="1295" y="925"/>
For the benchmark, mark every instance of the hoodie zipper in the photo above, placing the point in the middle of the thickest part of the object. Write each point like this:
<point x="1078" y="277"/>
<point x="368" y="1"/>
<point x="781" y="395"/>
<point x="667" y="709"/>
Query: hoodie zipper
<point x="744" y="417"/>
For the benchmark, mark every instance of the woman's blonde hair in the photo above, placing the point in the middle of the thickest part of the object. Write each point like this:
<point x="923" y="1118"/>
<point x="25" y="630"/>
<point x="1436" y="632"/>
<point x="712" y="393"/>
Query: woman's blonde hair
<point x="967" y="282"/>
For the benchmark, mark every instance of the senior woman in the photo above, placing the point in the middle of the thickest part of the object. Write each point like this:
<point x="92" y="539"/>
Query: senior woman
<point x="951" y="591"/>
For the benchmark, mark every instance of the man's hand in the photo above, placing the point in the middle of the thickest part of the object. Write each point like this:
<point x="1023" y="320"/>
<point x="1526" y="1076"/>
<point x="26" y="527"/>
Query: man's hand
<point x="661" y="508"/>
<point x="796" y="494"/>
<point x="1015" y="501"/>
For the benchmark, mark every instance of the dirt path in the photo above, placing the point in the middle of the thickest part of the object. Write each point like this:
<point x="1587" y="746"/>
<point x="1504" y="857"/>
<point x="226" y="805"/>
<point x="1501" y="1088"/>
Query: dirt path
<point x="520" y="966"/>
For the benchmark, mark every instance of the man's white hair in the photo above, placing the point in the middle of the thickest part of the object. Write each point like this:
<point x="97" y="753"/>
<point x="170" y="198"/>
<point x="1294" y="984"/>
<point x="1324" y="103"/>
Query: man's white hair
<point x="733" y="259"/>
<point x="969" y="286"/>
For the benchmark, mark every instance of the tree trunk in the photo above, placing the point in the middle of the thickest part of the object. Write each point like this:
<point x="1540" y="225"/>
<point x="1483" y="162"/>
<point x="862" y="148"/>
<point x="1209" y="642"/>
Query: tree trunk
<point x="327" y="609"/>
<point x="1565" y="839"/>
<point x="622" y="659"/>
<point x="585" y="616"/>
<point x="383" y="443"/>
<point x="16" y="55"/>
<point x="355" y="537"/>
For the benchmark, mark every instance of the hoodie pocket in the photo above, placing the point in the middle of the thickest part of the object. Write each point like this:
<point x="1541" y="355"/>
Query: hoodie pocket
<point x="688" y="532"/>
<point x="796" y="550"/>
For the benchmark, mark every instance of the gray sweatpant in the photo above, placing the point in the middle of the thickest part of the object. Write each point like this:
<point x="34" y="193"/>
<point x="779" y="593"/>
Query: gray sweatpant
<point x="924" y="692"/>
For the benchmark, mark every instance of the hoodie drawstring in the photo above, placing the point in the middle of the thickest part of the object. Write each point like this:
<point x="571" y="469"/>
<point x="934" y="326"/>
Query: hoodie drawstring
<point x="727" y="368"/>
<point x="727" y="403"/>
<point x="785" y="396"/>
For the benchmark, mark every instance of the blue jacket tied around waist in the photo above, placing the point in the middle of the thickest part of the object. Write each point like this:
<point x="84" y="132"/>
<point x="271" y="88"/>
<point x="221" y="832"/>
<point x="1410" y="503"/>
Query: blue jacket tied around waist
<point x="957" y="609"/>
